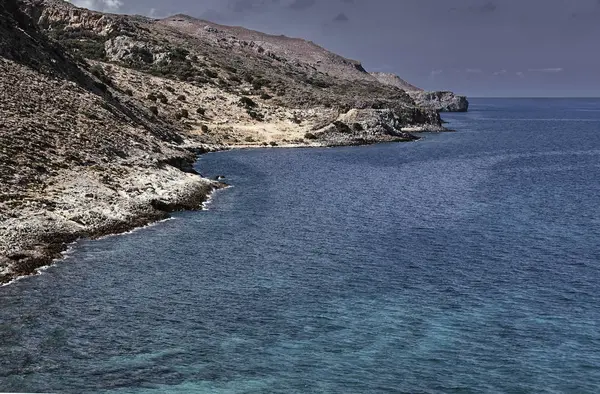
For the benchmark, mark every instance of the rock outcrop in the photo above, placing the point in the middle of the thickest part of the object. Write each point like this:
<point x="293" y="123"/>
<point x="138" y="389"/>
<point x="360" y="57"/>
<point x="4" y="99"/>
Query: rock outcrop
<point x="441" y="101"/>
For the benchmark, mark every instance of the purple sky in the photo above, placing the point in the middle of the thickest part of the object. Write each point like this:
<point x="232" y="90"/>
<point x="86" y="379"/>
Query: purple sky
<point x="475" y="47"/>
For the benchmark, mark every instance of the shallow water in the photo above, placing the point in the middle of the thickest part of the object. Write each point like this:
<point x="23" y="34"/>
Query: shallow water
<point x="466" y="262"/>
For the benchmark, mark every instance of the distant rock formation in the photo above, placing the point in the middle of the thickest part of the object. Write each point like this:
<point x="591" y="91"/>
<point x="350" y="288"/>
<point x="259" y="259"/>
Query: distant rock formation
<point x="441" y="101"/>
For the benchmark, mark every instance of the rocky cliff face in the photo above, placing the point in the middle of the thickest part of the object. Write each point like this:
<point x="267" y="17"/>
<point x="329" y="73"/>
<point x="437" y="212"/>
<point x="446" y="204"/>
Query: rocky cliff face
<point x="441" y="101"/>
<point x="102" y="115"/>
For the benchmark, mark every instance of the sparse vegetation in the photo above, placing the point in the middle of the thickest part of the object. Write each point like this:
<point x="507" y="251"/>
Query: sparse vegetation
<point x="247" y="102"/>
<point x="181" y="97"/>
<point x="310" y="136"/>
<point x="153" y="109"/>
<point x="162" y="98"/>
<point x="98" y="72"/>
<point x="255" y="114"/>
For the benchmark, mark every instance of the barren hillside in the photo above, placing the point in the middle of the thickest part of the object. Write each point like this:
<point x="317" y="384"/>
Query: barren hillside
<point x="102" y="115"/>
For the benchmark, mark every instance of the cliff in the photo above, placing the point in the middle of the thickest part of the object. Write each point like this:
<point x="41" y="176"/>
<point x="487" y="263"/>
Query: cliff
<point x="441" y="101"/>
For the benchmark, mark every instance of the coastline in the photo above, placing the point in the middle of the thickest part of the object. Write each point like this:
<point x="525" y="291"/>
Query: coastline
<point x="45" y="243"/>
<point x="39" y="239"/>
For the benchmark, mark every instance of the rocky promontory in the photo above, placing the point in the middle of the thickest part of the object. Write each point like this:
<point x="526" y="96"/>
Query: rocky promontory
<point x="102" y="116"/>
<point x="442" y="101"/>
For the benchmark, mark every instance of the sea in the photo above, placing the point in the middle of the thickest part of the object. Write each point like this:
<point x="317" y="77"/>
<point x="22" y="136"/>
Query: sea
<point x="465" y="262"/>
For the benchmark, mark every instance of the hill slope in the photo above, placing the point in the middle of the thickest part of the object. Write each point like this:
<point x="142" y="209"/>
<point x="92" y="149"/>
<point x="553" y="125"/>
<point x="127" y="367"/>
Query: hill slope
<point x="103" y="115"/>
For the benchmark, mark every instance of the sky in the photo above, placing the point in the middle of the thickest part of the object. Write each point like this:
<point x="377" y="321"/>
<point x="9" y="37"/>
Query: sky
<point x="484" y="48"/>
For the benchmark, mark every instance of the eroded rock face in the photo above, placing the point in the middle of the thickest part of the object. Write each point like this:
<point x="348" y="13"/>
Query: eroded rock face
<point x="441" y="101"/>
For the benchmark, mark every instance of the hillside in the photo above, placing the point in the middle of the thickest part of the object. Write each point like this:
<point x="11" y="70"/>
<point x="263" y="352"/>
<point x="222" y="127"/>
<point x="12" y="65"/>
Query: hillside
<point x="103" y="115"/>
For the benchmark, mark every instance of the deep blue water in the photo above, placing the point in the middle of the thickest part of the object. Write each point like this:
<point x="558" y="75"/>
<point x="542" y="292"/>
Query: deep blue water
<point x="466" y="262"/>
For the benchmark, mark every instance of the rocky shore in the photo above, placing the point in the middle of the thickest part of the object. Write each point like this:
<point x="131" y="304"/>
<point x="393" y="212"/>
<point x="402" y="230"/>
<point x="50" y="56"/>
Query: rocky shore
<point x="102" y="116"/>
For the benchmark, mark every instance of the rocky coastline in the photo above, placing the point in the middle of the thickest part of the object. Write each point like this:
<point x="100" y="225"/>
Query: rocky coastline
<point x="103" y="117"/>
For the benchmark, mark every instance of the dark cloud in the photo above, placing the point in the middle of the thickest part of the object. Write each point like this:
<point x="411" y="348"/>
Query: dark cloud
<point x="341" y="17"/>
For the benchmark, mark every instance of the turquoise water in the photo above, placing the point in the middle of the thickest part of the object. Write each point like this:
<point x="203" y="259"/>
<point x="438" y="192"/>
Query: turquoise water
<point x="466" y="262"/>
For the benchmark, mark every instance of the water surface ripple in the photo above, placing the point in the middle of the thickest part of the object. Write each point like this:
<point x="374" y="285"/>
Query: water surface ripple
<point x="466" y="262"/>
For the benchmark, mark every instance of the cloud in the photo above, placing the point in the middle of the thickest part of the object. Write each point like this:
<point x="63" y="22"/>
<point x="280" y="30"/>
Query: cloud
<point x="546" y="70"/>
<point x="520" y="74"/>
<point x="501" y="72"/>
<point x="341" y="17"/>
<point x="474" y="71"/>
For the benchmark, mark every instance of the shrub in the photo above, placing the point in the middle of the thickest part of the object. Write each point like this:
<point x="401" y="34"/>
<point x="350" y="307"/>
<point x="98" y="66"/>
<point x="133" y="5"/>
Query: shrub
<point x="204" y="128"/>
<point x="181" y="97"/>
<point x="184" y="113"/>
<point x="231" y="69"/>
<point x="142" y="55"/>
<point x="249" y="139"/>
<point x="129" y="92"/>
<point x="179" y="54"/>
<point x="247" y="102"/>
<point x="200" y="111"/>
<point x="99" y="73"/>
<point x="210" y="73"/>
<point x="310" y="136"/>
<point x="154" y="110"/>
<point x="161" y="97"/>
<point x="255" y="115"/>
<point x="266" y="96"/>
<point x="273" y="143"/>
<point x="357" y="127"/>
<point x="170" y="89"/>
<point x="151" y="97"/>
